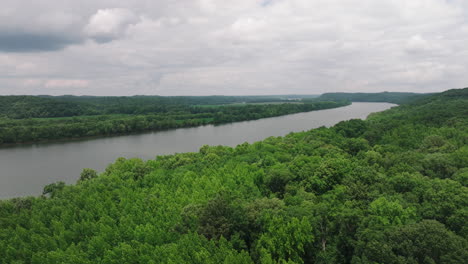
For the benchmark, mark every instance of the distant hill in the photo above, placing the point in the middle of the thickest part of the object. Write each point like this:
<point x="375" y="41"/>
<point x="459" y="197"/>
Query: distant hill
<point x="389" y="97"/>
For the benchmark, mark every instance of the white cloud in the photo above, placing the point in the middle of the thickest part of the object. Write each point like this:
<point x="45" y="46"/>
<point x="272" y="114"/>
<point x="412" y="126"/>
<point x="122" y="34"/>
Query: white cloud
<point x="419" y="45"/>
<point x="109" y="24"/>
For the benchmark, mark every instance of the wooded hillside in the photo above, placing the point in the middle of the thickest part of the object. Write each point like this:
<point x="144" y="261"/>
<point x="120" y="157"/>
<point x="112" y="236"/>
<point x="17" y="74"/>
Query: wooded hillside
<point x="391" y="189"/>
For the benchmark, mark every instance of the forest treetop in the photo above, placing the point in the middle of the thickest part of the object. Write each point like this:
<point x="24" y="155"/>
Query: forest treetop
<point x="390" y="189"/>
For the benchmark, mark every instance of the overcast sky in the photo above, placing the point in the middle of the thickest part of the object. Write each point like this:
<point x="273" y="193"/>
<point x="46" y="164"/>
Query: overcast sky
<point x="232" y="47"/>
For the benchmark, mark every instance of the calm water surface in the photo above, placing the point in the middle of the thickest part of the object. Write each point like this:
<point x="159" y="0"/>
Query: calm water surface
<point x="25" y="170"/>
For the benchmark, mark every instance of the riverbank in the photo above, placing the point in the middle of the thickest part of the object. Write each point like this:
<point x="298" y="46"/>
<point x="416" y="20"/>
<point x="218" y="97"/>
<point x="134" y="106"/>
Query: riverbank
<point x="26" y="169"/>
<point x="28" y="131"/>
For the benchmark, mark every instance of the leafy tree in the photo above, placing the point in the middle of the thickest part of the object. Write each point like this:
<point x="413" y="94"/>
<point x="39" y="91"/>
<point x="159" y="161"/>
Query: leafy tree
<point x="87" y="174"/>
<point x="387" y="213"/>
<point x="285" y="242"/>
<point x="221" y="217"/>
<point x="53" y="188"/>
<point x="425" y="242"/>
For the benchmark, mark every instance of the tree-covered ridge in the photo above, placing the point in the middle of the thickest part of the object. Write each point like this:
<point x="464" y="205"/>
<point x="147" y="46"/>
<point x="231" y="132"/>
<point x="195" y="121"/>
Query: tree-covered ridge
<point x="46" y="129"/>
<point x="389" y="97"/>
<point x="392" y="189"/>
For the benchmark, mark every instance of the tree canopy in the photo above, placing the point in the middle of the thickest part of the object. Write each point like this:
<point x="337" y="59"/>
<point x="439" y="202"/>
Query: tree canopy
<point x="390" y="189"/>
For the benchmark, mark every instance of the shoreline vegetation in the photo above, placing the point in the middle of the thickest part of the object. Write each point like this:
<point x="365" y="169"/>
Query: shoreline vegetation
<point x="39" y="119"/>
<point x="40" y="130"/>
<point x="389" y="189"/>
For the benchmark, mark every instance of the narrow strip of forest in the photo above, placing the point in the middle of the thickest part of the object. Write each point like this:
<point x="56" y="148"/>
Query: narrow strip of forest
<point x="42" y="122"/>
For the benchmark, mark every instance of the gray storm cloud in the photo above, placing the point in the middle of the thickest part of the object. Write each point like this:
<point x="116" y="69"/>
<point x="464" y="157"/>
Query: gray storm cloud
<point x="200" y="47"/>
<point x="37" y="34"/>
<point x="35" y="42"/>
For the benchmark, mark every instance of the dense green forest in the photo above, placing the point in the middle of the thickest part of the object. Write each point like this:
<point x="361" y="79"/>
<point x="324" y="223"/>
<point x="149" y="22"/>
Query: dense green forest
<point x="391" y="189"/>
<point x="20" y="107"/>
<point x="389" y="97"/>
<point x="118" y="120"/>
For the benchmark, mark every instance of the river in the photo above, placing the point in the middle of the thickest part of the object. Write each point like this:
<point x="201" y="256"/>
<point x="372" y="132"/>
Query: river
<point x="26" y="169"/>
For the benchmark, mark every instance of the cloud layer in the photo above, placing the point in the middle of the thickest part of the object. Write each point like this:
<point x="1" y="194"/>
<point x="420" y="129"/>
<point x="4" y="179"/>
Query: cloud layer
<point x="200" y="47"/>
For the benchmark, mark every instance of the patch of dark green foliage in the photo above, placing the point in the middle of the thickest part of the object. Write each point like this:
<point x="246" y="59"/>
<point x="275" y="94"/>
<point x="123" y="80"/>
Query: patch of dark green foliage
<point x="389" y="97"/>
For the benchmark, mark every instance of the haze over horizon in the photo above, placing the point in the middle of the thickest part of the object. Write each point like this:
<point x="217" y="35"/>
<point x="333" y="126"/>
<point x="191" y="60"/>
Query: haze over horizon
<point x="243" y="47"/>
